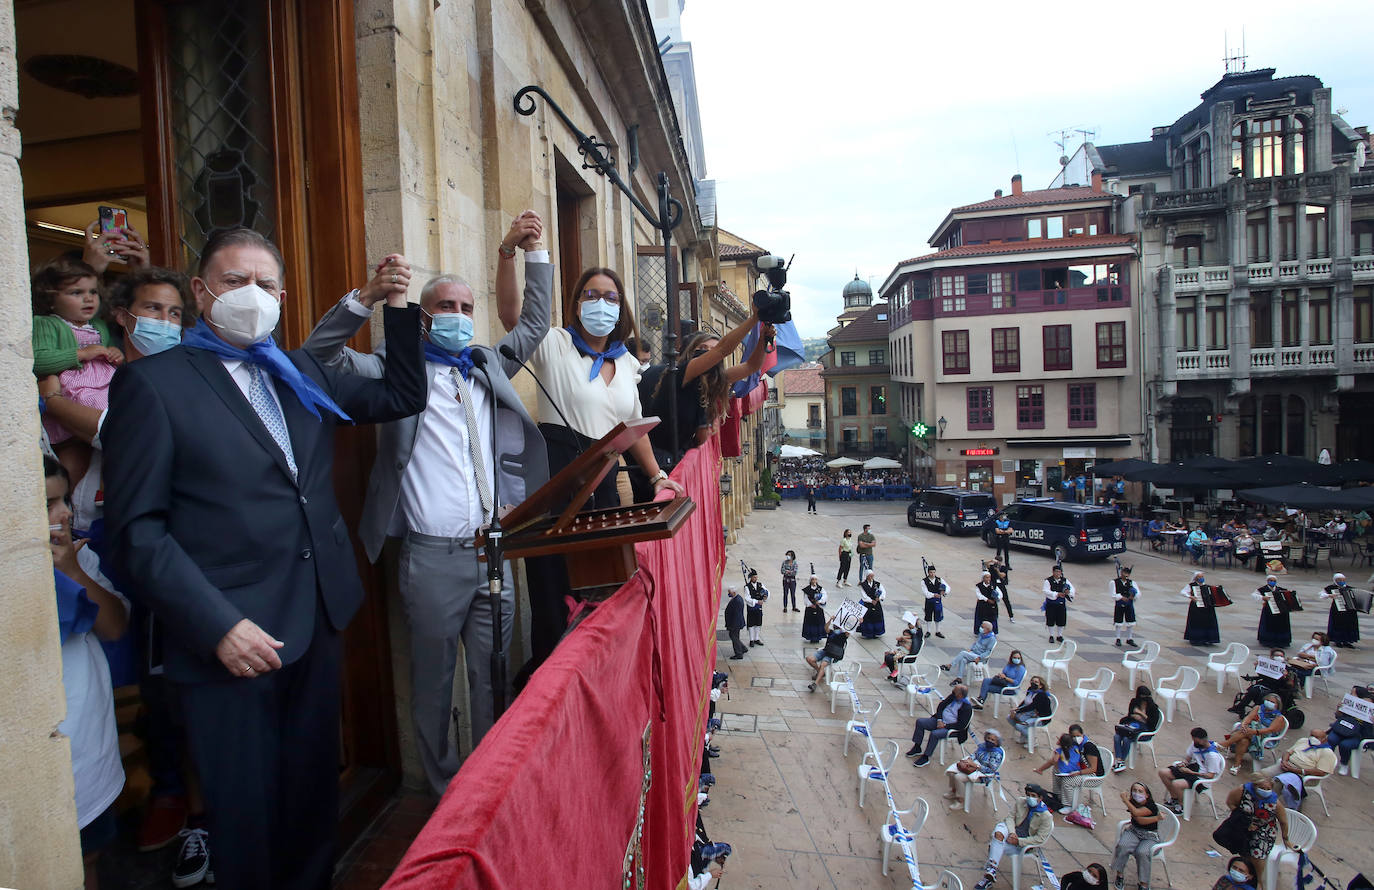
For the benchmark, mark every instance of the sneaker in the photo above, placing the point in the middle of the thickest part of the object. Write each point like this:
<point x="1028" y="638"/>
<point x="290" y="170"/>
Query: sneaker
<point x="1132" y="643"/>
<point x="1342" y="770"/>
<point x="1117" y="643"/>
<point x="1174" y="806"/>
<point x="811" y="686"/>
<point x="1118" y="884"/>
<point x="985" y="883"/>
<point x="956" y="805"/>
<point x="1060" y="639"/>
<point x="1065" y="811"/>
<point x="1119" y="767"/>
<point x="940" y="635"/>
<point x="738" y="657"/>
<point x="976" y="704"/>
<point x="1012" y="620"/>
<point x="927" y="635"/>
<point x="193" y="862"/>
<point x="1051" y="638"/>
<point x="920" y="761"/>
<point x="163" y="822"/>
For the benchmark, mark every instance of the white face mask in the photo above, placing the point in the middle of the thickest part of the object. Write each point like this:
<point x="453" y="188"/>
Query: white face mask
<point x="245" y="315"/>
<point x="1138" y="796"/>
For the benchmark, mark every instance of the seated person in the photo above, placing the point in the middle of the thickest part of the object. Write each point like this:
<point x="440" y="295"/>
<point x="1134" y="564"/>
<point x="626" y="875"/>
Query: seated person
<point x="1311" y="756"/>
<point x="982" y="647"/>
<point x="835" y="641"/>
<point x="1262" y="722"/>
<point x="1245" y="546"/>
<point x="1029" y="826"/>
<point x="1316" y="652"/>
<point x="1240" y="875"/>
<point x="1092" y="876"/>
<point x="1195" y="543"/>
<point x="1286" y="686"/>
<point x="1142" y="715"/>
<point x="909" y="642"/>
<point x="1009" y="677"/>
<point x="1035" y="705"/>
<point x="1202" y="760"/>
<point x="1346" y="733"/>
<point x="951" y="719"/>
<point x="982" y="766"/>
<point x="1154" y="533"/>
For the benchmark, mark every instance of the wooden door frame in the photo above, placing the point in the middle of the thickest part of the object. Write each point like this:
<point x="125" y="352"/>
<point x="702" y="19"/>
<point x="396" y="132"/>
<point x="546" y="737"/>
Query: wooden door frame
<point x="320" y="230"/>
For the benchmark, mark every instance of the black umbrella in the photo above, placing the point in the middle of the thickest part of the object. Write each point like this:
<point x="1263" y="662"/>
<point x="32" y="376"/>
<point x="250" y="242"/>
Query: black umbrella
<point x="1354" y="471"/>
<point x="1120" y="467"/>
<point x="1208" y="462"/>
<point x="1281" y="469"/>
<point x="1301" y="496"/>
<point x="1179" y="475"/>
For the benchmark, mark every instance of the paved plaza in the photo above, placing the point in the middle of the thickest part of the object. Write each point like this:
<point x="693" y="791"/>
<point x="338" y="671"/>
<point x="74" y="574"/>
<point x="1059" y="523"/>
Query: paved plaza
<point x="787" y="799"/>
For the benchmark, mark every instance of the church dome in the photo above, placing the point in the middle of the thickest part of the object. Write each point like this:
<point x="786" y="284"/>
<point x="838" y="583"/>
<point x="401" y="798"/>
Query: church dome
<point x="857" y="293"/>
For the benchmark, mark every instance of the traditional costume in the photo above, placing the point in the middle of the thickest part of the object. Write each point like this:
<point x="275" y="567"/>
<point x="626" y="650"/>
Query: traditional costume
<point x="754" y="595"/>
<point x="872" y="626"/>
<point x="935" y="600"/>
<point x="1124" y="593"/>
<point x="1275" y="628"/>
<point x="988" y="595"/>
<point x="1343" y="622"/>
<point x="813" y="616"/>
<point x="1058" y="591"/>
<point x="1200" y="629"/>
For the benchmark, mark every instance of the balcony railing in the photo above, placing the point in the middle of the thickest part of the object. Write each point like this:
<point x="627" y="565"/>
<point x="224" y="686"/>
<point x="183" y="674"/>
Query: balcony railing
<point x="1282" y="359"/>
<point x="1362" y="268"/>
<point x="1202" y="278"/>
<point x="1188" y="199"/>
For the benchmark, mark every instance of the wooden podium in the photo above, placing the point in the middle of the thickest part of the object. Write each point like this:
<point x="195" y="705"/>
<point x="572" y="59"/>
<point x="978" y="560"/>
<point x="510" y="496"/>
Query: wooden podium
<point x="597" y="544"/>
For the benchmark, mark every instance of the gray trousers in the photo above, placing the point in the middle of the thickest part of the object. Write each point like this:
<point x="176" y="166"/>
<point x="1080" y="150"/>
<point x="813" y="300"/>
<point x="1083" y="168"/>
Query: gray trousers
<point x="444" y="592"/>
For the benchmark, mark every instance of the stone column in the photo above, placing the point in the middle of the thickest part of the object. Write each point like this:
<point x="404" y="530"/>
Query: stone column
<point x="38" y="837"/>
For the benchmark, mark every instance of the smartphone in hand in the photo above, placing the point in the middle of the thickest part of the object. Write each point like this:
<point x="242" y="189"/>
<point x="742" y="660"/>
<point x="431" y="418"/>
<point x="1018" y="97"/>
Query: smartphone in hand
<point x="113" y="221"/>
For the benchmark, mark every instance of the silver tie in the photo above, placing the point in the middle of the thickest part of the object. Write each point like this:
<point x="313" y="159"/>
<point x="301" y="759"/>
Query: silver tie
<point x="474" y="443"/>
<point x="267" y="409"/>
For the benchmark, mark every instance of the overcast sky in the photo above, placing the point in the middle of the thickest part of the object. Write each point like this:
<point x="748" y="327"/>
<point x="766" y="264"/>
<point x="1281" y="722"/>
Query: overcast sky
<point x="845" y="137"/>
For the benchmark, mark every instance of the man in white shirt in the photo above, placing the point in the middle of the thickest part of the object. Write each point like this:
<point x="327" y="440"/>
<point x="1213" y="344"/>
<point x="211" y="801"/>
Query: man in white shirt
<point x="433" y="484"/>
<point x="1202" y="760"/>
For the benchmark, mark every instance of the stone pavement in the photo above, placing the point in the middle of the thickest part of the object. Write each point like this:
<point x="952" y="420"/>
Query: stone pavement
<point x="787" y="799"/>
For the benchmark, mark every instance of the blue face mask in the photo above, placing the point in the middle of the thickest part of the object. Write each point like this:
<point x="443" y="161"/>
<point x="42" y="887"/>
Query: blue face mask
<point x="598" y="317"/>
<point x="451" y="331"/>
<point x="153" y="335"/>
<point x="1273" y="584"/>
<point x="1269" y="707"/>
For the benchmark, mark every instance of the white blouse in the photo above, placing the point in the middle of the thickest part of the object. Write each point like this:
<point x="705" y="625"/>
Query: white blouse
<point x="593" y="407"/>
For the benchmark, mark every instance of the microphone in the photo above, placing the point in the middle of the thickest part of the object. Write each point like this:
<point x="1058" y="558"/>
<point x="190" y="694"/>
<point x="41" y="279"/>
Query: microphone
<point x="508" y="352"/>
<point x="495" y="572"/>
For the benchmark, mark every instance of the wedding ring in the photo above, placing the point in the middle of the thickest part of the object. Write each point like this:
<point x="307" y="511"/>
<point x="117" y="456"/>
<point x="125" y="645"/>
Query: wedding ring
<point x="247" y="669"/>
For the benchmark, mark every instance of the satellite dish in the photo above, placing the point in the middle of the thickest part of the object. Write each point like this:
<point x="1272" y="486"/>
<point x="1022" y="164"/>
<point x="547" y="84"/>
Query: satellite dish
<point x="1063" y="160"/>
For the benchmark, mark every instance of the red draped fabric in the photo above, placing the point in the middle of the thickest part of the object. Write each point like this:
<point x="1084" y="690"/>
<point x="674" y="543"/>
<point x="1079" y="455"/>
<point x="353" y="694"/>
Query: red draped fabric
<point x="556" y="793"/>
<point x="740" y="408"/>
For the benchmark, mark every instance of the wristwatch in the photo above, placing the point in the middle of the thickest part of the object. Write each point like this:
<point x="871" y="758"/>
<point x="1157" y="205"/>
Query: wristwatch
<point x="653" y="480"/>
<point x="506" y="252"/>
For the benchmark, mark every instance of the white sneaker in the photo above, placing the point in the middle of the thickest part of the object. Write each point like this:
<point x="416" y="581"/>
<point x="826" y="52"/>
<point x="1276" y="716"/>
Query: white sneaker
<point x="1342" y="770"/>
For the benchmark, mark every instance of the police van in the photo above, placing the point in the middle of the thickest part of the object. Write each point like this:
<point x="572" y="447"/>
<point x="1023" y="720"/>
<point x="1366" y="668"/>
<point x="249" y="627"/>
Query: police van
<point x="956" y="510"/>
<point x="1066" y="530"/>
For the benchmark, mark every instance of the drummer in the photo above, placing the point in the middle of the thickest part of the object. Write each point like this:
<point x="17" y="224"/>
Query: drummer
<point x="1343" y="622"/>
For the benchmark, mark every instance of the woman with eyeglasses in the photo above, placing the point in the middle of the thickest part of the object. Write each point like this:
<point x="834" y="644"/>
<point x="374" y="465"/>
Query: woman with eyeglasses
<point x="594" y="380"/>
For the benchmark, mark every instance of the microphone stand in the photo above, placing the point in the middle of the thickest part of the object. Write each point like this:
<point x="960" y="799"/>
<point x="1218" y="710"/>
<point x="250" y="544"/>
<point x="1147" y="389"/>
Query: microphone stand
<point x="496" y="576"/>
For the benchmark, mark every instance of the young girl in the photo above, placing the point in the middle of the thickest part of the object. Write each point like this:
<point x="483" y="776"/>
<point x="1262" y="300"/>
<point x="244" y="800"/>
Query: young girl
<point x="68" y="340"/>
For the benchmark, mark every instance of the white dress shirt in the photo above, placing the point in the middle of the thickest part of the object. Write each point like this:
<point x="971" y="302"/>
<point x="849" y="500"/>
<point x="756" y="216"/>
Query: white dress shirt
<point x="593" y="407"/>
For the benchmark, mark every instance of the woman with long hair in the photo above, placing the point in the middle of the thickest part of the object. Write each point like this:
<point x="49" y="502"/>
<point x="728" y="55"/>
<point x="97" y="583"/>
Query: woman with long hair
<point x="1139" y="836"/>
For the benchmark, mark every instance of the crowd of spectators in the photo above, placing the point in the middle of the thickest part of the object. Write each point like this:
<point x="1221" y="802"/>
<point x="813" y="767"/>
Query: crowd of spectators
<point x="812" y="471"/>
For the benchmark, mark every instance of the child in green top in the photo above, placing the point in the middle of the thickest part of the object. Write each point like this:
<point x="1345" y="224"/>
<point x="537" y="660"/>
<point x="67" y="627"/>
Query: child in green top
<point x="68" y="339"/>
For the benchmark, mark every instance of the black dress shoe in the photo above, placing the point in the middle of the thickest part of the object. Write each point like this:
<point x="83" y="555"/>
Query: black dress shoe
<point x="915" y="749"/>
<point x="927" y="635"/>
<point x="736" y="657"/>
<point x="940" y="635"/>
<point x="1117" y="643"/>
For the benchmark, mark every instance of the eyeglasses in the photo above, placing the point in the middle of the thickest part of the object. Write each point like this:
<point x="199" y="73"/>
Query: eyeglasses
<point x="609" y="296"/>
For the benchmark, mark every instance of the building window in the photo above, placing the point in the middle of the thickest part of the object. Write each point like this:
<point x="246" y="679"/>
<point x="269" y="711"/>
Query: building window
<point x="1290" y="315"/>
<point x="1261" y="320"/>
<point x="1190" y="433"/>
<point x="1364" y="314"/>
<point x="877" y="357"/>
<point x="977" y="283"/>
<point x="1004" y="301"/>
<point x="1058" y="347"/>
<point x="1054" y="227"/>
<point x="847" y="359"/>
<point x="1030" y="407"/>
<point x="1216" y="322"/>
<point x="850" y="436"/>
<point x="1288" y="236"/>
<point x="952" y="285"/>
<point x="849" y="401"/>
<point x="877" y="400"/>
<point x="1316" y="233"/>
<point x="1006" y="350"/>
<point x="1297" y="427"/>
<point x="1257" y="238"/>
<point x="1319" y="316"/>
<point x="1265" y="144"/>
<point x="1296" y="136"/>
<point x="1111" y="344"/>
<point x="953" y="304"/>
<point x="879" y="439"/>
<point x="1362" y="237"/>
<point x="1188" y="251"/>
<point x="1028" y="279"/>
<point x="1185" y="316"/>
<point x="1034" y="229"/>
<point x="955" y="345"/>
<point x="999" y="282"/>
<point x="1082" y="404"/>
<point x="979" y="407"/>
<point x="813" y="416"/>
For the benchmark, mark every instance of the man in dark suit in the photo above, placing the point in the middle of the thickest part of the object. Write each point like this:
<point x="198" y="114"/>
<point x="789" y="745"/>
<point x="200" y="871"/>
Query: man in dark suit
<point x="734" y="621"/>
<point x="425" y="484"/>
<point x="220" y="510"/>
<point x="951" y="718"/>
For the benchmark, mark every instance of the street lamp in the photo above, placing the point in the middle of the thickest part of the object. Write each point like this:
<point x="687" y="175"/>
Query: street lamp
<point x="726" y="484"/>
<point x="942" y="423"/>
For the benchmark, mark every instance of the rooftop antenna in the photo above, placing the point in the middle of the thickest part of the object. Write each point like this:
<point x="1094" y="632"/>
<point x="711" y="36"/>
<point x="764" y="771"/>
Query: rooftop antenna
<point x="1235" y="62"/>
<point x="1061" y="139"/>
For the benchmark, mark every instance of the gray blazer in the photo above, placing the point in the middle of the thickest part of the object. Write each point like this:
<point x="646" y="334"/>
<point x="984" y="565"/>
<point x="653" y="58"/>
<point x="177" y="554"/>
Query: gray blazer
<point x="523" y="460"/>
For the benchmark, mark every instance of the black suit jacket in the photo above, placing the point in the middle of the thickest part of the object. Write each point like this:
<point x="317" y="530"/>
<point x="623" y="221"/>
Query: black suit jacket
<point x="960" y="728"/>
<point x="734" y="612"/>
<point x="201" y="510"/>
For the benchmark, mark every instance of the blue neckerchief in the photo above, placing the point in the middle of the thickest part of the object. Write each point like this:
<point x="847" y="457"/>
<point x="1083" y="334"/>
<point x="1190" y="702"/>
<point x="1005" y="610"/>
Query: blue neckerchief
<point x="462" y="361"/>
<point x="986" y="635"/>
<point x="614" y="350"/>
<point x="269" y="357"/>
<point x="75" y="612"/>
<point x="1314" y="744"/>
<point x="1039" y="808"/>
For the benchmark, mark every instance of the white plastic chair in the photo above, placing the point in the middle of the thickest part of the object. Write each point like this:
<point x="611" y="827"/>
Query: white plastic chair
<point x="1057" y="659"/>
<point x="1043" y="723"/>
<point x="1005" y="692"/>
<point x="1186" y="680"/>
<point x="1094" y="689"/>
<point x="1357" y="755"/>
<point x="1322" y="672"/>
<point x="1140" y="661"/>
<point x="1228" y="661"/>
<point x="1017" y="853"/>
<point x="1168" y="827"/>
<point x="887" y="835"/>
<point x="1266" y="743"/>
<point x="993" y="787"/>
<point x="1146" y="739"/>
<point x="1202" y="789"/>
<point x="842" y="683"/>
<point x="1302" y="833"/>
<point x="862" y="724"/>
<point x="1093" y="784"/>
<point x="949" y="881"/>
<point x="873" y="768"/>
<point x="925" y="683"/>
<point x="948" y="741"/>
<point x="1313" y="785"/>
<point x="907" y="667"/>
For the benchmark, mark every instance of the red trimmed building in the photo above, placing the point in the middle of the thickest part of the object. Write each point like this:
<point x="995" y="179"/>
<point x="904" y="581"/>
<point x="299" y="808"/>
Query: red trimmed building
<point x="1016" y="341"/>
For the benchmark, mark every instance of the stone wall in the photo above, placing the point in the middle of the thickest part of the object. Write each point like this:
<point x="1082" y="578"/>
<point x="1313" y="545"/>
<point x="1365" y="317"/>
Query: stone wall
<point x="38" y="836"/>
